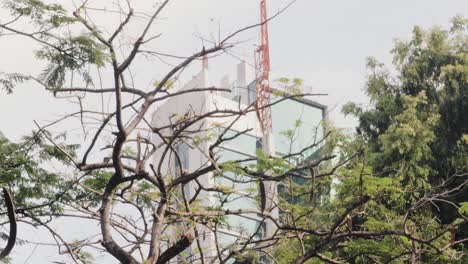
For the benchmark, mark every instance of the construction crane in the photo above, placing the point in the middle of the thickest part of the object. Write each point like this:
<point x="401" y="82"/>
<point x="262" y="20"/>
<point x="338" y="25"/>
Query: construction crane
<point x="268" y="189"/>
<point x="262" y="69"/>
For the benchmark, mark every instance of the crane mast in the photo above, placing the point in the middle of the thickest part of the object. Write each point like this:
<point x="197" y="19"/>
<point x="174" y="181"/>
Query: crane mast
<point x="263" y="91"/>
<point x="262" y="67"/>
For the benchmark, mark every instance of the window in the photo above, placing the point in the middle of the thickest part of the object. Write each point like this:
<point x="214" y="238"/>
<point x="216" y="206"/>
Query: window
<point x="252" y="92"/>
<point x="244" y="143"/>
<point x="246" y="189"/>
<point x="302" y="120"/>
<point x="235" y="91"/>
<point x="183" y="151"/>
<point x="235" y="181"/>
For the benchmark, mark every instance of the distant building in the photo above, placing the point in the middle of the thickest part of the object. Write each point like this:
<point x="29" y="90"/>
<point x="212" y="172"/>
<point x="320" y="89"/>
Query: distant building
<point x="286" y="115"/>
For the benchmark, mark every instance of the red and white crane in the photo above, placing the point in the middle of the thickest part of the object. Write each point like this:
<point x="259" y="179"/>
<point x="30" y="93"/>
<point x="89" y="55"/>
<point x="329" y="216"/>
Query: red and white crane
<point x="262" y="69"/>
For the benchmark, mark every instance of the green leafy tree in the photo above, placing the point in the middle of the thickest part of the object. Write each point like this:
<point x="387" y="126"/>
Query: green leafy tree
<point x="418" y="119"/>
<point x="35" y="190"/>
<point x="399" y="185"/>
<point x="414" y="132"/>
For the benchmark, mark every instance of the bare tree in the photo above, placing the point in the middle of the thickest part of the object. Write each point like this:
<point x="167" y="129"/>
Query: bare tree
<point x="144" y="214"/>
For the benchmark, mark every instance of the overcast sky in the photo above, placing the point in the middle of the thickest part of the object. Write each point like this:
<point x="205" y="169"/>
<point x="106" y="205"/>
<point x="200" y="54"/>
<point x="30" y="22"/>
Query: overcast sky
<point x="323" y="42"/>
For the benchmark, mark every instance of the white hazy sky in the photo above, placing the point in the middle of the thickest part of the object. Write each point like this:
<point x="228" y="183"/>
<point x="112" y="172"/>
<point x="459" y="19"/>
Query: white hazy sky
<point x="322" y="42"/>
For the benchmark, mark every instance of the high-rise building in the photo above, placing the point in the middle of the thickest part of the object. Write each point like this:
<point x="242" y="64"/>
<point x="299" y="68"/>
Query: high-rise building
<point x="296" y="124"/>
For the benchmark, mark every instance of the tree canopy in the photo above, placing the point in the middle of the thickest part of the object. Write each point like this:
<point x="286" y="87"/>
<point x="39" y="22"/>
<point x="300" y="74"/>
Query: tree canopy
<point x="408" y="173"/>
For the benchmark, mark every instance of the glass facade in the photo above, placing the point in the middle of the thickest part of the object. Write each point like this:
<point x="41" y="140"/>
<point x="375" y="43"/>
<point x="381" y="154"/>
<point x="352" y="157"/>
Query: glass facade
<point x="183" y="162"/>
<point x="296" y="125"/>
<point x="251" y="92"/>
<point x="244" y="143"/>
<point x="182" y="150"/>
<point x="245" y="189"/>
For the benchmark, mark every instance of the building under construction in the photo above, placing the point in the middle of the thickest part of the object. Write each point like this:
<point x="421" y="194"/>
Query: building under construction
<point x="284" y="116"/>
<point x="266" y="130"/>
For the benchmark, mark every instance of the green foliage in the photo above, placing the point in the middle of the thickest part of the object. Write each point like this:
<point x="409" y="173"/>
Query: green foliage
<point x="76" y="247"/>
<point x="31" y="184"/>
<point x="463" y="208"/>
<point x="278" y="166"/>
<point x="419" y="122"/>
<point x="8" y="81"/>
<point x="169" y="84"/>
<point x="42" y="14"/>
<point x="66" y="54"/>
<point x="411" y="143"/>
<point x="413" y="133"/>
<point x="144" y="194"/>
<point x="70" y="54"/>
<point x="197" y="139"/>
<point x="290" y="86"/>
<point x="249" y="257"/>
<point x="231" y="166"/>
